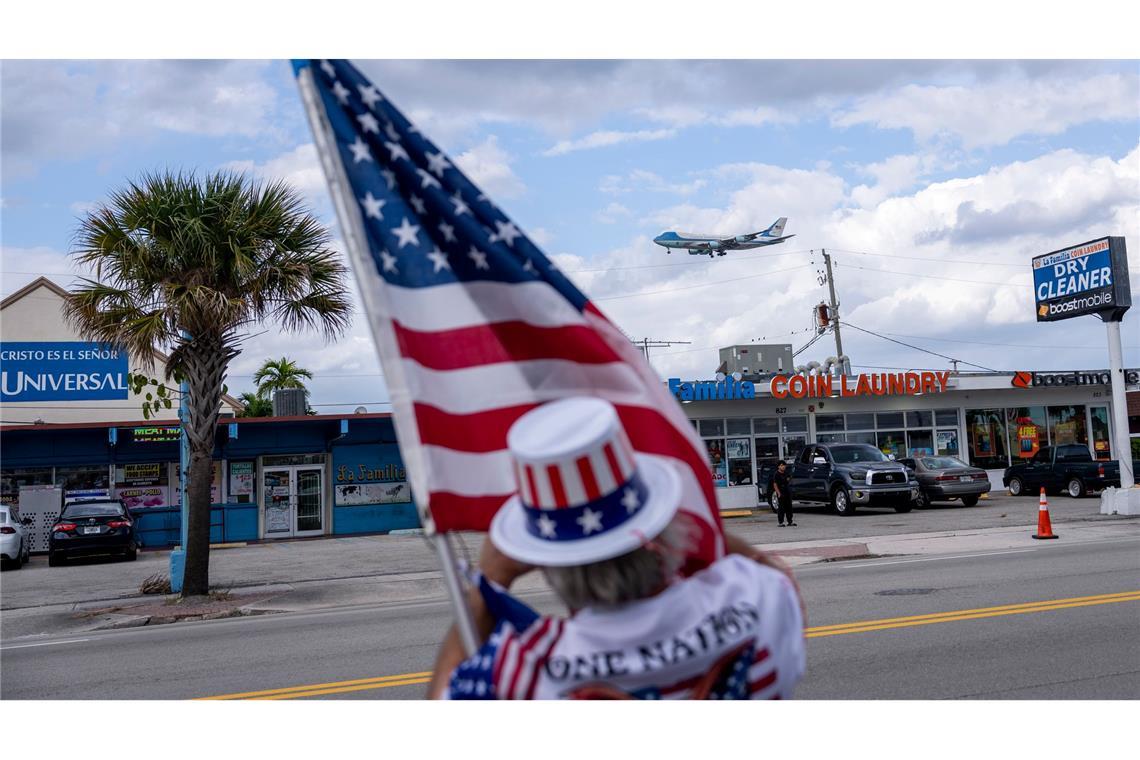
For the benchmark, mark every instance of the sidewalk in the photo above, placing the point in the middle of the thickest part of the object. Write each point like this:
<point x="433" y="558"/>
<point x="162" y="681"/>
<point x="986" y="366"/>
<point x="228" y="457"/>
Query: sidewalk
<point x="301" y="576"/>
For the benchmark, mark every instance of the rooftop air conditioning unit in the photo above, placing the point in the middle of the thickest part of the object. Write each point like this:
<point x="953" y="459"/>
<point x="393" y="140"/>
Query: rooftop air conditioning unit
<point x="289" y="403"/>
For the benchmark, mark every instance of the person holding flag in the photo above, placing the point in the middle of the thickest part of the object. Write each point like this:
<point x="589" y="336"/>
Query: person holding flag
<point x="475" y="328"/>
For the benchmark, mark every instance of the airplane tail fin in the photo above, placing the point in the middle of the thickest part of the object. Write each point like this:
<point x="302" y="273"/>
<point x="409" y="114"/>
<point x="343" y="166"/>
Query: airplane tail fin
<point x="777" y="229"/>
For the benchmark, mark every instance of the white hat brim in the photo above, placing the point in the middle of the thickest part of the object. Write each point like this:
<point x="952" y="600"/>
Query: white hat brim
<point x="663" y="483"/>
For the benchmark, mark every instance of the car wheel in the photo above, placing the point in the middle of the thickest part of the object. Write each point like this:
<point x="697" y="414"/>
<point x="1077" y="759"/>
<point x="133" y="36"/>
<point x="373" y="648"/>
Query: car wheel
<point x="19" y="561"/>
<point x="54" y="560"/>
<point x="841" y="502"/>
<point x="969" y="501"/>
<point x="1075" y="488"/>
<point x="773" y="503"/>
<point x="923" y="500"/>
<point x="1016" y="487"/>
<point x="131" y="555"/>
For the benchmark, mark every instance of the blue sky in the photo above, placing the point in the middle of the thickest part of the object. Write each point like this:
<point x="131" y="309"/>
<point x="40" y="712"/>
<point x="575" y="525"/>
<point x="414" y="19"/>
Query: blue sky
<point x="932" y="182"/>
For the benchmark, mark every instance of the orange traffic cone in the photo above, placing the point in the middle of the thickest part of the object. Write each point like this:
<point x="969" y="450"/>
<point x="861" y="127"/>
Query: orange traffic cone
<point x="1044" y="527"/>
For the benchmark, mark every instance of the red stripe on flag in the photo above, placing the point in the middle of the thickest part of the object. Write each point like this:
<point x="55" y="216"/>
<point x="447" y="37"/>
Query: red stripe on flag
<point x="453" y="511"/>
<point x="477" y="433"/>
<point x="589" y="482"/>
<point x="556" y="486"/>
<point x="763" y="683"/>
<point x="536" y="632"/>
<point x="559" y="624"/>
<point x="501" y="342"/>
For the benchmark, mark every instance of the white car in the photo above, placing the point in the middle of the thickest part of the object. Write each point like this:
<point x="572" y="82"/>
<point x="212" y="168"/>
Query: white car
<point x="14" y="546"/>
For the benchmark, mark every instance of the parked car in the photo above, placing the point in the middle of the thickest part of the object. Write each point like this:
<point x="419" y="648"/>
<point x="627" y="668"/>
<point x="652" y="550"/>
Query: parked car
<point x="15" y="548"/>
<point x="943" y="478"/>
<point x="845" y="475"/>
<point x="88" y="528"/>
<point x="1068" y="468"/>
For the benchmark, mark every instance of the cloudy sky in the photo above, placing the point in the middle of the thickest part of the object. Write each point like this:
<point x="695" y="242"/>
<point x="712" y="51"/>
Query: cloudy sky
<point x="932" y="183"/>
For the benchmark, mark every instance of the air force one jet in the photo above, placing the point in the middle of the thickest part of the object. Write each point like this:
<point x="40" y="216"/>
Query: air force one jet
<point x="715" y="245"/>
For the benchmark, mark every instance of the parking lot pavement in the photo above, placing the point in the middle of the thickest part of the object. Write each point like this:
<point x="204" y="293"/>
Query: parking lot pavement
<point x="318" y="573"/>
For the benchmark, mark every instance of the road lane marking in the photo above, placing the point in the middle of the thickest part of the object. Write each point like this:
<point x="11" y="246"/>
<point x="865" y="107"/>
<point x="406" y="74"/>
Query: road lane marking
<point x="379" y="682"/>
<point x="42" y="644"/>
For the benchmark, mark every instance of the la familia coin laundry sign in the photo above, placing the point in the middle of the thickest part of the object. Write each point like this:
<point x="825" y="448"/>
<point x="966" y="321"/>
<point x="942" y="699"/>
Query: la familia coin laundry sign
<point x="878" y="384"/>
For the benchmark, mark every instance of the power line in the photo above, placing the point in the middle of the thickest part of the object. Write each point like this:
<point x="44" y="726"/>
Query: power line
<point x="703" y="284"/>
<point x="930" y="259"/>
<point x="919" y="348"/>
<point x="1001" y="345"/>
<point x="937" y="277"/>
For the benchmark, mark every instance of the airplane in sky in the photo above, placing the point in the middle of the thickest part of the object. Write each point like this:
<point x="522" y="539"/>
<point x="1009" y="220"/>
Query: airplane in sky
<point x="716" y="245"/>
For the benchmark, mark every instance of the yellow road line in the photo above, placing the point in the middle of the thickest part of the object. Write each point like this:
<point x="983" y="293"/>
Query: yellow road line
<point x="410" y="679"/>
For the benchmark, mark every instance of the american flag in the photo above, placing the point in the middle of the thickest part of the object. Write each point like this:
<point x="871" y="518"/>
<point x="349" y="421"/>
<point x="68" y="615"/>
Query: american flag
<point x="474" y="325"/>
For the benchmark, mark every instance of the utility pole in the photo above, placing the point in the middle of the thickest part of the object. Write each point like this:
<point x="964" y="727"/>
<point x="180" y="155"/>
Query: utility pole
<point x="645" y="344"/>
<point x="834" y="304"/>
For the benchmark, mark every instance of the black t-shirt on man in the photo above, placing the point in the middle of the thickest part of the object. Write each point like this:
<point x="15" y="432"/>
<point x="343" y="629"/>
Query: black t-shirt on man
<point x="780" y="479"/>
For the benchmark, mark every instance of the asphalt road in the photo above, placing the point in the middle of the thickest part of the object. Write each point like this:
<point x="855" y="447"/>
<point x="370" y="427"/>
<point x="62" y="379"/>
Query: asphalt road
<point x="1084" y="648"/>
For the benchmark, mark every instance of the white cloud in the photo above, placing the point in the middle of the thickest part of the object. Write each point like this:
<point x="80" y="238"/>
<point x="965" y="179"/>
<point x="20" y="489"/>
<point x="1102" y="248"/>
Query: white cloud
<point x="489" y="167"/>
<point x="993" y="113"/>
<point x="612" y="213"/>
<point x="607" y="138"/>
<point x="300" y="167"/>
<point x="642" y="180"/>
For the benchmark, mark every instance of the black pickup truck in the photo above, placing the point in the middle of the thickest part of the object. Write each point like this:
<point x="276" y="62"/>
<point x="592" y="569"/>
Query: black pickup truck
<point x="1068" y="468"/>
<point x="845" y="475"/>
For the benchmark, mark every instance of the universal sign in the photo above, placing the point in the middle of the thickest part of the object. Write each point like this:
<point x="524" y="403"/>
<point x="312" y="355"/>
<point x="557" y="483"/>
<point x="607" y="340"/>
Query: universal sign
<point x="1090" y="278"/>
<point x="878" y="384"/>
<point x="721" y="389"/>
<point x="62" y="372"/>
<point x="1048" y="379"/>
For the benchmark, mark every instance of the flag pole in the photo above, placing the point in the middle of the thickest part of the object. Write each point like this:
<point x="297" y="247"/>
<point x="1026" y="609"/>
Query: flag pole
<point x="349" y="215"/>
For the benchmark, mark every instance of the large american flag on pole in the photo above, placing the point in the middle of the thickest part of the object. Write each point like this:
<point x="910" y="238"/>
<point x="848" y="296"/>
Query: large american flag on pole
<point x="474" y="325"/>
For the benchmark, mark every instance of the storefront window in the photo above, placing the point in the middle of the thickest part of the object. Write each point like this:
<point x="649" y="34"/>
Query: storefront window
<point x="794" y="424"/>
<point x="143" y="485"/>
<point x="919" y="419"/>
<point x="885" y="420"/>
<point x="828" y="423"/>
<point x="1102" y="446"/>
<point x="739" y="453"/>
<point x="985" y="431"/>
<point x="767" y="450"/>
<point x="12" y="480"/>
<point x="738" y="427"/>
<point x="793" y="445"/>
<point x="92" y="481"/>
<point x="919" y="442"/>
<point x="946" y="443"/>
<point x="891" y="442"/>
<point x="867" y="438"/>
<point x="1027" y="433"/>
<point x="1067" y="426"/>
<point x="831" y="438"/>
<point x="946" y="417"/>
<point x="765" y="425"/>
<point x="862" y="421"/>
<point x="711" y="427"/>
<point x="715" y="449"/>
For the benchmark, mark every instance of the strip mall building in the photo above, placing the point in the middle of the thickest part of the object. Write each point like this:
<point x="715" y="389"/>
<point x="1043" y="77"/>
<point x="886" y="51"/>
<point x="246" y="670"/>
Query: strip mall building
<point x="990" y="420"/>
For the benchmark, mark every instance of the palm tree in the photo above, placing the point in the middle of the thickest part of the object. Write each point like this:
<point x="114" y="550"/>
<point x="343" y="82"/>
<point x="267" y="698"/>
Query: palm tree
<point x="279" y="374"/>
<point x="189" y="266"/>
<point x="255" y="406"/>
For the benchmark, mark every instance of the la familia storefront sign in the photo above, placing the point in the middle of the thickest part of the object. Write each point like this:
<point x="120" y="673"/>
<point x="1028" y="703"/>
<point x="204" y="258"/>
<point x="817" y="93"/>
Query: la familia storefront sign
<point x="815" y="386"/>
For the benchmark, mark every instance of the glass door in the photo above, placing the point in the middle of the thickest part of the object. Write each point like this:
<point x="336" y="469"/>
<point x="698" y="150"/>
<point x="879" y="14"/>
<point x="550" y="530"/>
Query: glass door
<point x="277" y="502"/>
<point x="309" y="500"/>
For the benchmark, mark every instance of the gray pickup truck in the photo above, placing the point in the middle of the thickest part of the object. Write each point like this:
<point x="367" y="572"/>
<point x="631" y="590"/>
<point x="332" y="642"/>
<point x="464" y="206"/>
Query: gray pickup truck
<point x="845" y="475"/>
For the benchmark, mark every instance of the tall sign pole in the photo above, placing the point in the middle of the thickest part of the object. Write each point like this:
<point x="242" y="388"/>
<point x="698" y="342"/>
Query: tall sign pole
<point x="834" y="306"/>
<point x="1092" y="279"/>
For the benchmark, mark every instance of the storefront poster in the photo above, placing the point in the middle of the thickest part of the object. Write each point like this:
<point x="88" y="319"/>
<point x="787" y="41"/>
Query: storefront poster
<point x="372" y="493"/>
<point x="982" y="440"/>
<point x="1028" y="440"/>
<point x="947" y="442"/>
<point x="135" y="497"/>
<point x="739" y="448"/>
<point x="720" y="475"/>
<point x="241" y="479"/>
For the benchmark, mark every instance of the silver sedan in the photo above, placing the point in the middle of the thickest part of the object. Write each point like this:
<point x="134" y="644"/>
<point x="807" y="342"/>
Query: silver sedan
<point x="944" y="478"/>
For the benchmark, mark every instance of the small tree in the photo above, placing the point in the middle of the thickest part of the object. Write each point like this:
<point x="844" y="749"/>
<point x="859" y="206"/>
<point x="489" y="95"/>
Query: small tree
<point x="189" y="266"/>
<point x="280" y="374"/>
<point x="254" y="406"/>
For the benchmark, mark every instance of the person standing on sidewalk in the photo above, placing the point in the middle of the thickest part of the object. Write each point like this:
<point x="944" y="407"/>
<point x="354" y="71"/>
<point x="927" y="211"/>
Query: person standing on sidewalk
<point x="782" y="487"/>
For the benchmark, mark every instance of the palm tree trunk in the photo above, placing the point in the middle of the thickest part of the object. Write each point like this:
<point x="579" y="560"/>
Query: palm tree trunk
<point x="196" y="577"/>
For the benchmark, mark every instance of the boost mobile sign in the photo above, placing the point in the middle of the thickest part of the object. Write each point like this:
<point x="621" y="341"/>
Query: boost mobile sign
<point x="62" y="372"/>
<point x="1090" y="278"/>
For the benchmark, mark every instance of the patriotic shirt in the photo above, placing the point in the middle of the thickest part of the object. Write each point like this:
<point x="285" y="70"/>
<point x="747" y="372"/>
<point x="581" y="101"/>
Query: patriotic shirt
<point x="656" y="648"/>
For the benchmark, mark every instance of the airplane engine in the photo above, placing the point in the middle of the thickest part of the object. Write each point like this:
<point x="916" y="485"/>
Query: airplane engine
<point x="714" y="244"/>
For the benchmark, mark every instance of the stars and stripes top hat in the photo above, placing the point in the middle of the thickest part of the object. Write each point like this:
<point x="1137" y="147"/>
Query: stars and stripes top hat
<point x="583" y="494"/>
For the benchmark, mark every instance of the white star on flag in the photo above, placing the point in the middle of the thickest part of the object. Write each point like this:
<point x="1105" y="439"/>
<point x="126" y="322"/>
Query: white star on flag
<point x="630" y="500"/>
<point x="328" y="68"/>
<point x="388" y="260"/>
<point x="439" y="258"/>
<point x="391" y="131"/>
<point x="448" y="232"/>
<point x="507" y="233"/>
<point x="590" y="521"/>
<point x="437" y="163"/>
<point x="546" y="526"/>
<point x="389" y="177"/>
<point x="418" y="205"/>
<point x="360" y="151"/>
<point x="528" y="266"/>
<point x="341" y="92"/>
<point x="407" y="232"/>
<point x="368" y="123"/>
<point x="479" y="258"/>
<point x="460" y="206"/>
<point x="397" y="151"/>
<point x="372" y="206"/>
<point x="428" y="180"/>
<point x="369" y="94"/>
